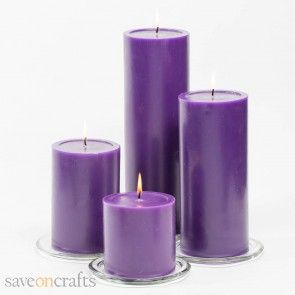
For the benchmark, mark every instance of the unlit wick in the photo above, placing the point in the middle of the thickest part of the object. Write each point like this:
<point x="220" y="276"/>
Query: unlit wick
<point x="212" y="93"/>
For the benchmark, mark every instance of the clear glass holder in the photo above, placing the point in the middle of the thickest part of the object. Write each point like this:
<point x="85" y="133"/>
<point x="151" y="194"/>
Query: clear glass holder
<point x="97" y="269"/>
<point x="43" y="245"/>
<point x="255" y="250"/>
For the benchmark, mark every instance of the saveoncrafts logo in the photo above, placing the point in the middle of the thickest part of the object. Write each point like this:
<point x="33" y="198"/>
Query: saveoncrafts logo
<point x="80" y="281"/>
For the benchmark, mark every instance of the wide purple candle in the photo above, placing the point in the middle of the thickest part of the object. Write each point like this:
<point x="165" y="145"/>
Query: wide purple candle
<point x="156" y="72"/>
<point x="213" y="153"/>
<point x="82" y="176"/>
<point x="139" y="234"/>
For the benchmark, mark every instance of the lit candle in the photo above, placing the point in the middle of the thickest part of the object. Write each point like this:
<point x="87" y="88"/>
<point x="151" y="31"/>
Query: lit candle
<point x="139" y="233"/>
<point x="156" y="72"/>
<point x="84" y="171"/>
<point x="213" y="157"/>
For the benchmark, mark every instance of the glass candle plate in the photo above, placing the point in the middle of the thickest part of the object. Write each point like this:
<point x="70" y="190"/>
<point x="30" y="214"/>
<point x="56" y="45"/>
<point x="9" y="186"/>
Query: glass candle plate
<point x="44" y="247"/>
<point x="255" y="249"/>
<point x="181" y="269"/>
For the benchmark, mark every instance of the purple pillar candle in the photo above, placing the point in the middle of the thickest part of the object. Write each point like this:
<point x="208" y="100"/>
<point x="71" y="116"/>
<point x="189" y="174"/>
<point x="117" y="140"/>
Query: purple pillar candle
<point x="139" y="234"/>
<point x="213" y="153"/>
<point x="82" y="176"/>
<point x="156" y="72"/>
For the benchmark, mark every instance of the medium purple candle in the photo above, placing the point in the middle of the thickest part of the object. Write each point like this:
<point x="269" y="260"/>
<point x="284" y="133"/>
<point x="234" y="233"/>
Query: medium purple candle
<point x="213" y="153"/>
<point x="83" y="173"/>
<point x="156" y="72"/>
<point x="139" y="234"/>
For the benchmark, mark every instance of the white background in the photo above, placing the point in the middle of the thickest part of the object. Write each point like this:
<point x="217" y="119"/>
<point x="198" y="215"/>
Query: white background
<point x="61" y="62"/>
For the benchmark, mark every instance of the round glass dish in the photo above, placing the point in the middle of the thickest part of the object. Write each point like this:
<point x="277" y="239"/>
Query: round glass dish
<point x="181" y="270"/>
<point x="44" y="247"/>
<point x="255" y="250"/>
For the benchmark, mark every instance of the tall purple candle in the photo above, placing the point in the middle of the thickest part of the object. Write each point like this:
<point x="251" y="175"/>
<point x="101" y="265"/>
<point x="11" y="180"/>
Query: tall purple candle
<point x="82" y="176"/>
<point x="156" y="72"/>
<point x="139" y="234"/>
<point x="213" y="149"/>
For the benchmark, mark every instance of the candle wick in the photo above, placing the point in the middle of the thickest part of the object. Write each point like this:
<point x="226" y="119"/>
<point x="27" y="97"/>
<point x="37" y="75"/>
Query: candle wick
<point x="212" y="93"/>
<point x="85" y="142"/>
<point x="157" y="30"/>
<point x="138" y="195"/>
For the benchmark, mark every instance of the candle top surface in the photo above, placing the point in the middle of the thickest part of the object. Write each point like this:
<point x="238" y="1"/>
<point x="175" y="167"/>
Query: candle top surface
<point x="209" y="97"/>
<point x="94" y="146"/>
<point x="151" y="34"/>
<point x="147" y="200"/>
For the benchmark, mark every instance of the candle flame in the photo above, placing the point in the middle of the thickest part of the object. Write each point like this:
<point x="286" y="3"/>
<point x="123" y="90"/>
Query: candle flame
<point x="85" y="133"/>
<point x="213" y="84"/>
<point x="157" y="19"/>
<point x="213" y="78"/>
<point x="139" y="186"/>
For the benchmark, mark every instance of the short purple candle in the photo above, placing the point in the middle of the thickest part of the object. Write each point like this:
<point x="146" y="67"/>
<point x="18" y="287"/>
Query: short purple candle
<point x="82" y="176"/>
<point x="139" y="234"/>
<point x="156" y="72"/>
<point x="213" y="153"/>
